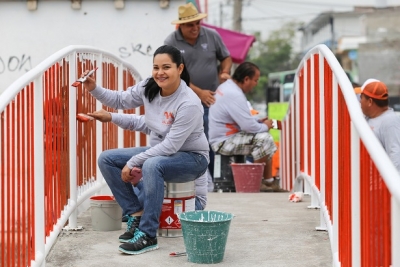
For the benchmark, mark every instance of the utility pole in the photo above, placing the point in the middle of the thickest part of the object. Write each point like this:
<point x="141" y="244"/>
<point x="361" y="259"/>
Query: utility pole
<point x="237" y="15"/>
<point x="331" y="22"/>
<point x="221" y="14"/>
<point x="205" y="9"/>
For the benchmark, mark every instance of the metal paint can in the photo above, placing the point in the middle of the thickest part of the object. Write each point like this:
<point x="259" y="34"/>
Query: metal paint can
<point x="178" y="198"/>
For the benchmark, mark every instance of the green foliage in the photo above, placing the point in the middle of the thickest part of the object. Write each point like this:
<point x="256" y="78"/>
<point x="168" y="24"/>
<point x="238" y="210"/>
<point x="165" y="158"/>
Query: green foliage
<point x="273" y="55"/>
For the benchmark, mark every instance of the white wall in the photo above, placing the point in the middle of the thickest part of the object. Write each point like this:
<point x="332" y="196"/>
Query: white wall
<point x="344" y="26"/>
<point x="349" y="26"/>
<point x="28" y="37"/>
<point x="324" y="34"/>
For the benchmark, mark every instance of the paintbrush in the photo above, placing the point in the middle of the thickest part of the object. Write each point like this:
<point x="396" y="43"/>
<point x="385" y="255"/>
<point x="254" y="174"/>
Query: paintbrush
<point x="177" y="254"/>
<point x="83" y="117"/>
<point x="83" y="79"/>
<point x="277" y="124"/>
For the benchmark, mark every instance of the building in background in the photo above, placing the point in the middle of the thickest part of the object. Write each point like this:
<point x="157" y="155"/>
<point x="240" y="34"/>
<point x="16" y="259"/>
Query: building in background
<point x="366" y="42"/>
<point x="131" y="29"/>
<point x="34" y="30"/>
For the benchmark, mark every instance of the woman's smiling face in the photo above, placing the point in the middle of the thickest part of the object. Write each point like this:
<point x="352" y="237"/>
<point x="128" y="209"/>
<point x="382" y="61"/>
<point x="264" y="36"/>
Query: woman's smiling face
<point x="166" y="73"/>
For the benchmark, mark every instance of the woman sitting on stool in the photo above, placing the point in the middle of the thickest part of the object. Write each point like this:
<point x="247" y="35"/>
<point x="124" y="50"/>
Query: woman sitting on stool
<point x="178" y="149"/>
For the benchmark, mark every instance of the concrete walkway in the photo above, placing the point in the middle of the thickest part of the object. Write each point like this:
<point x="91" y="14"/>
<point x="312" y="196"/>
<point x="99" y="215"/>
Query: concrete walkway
<point x="267" y="230"/>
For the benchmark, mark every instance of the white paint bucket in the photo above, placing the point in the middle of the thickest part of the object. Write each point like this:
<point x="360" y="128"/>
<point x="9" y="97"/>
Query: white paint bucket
<point x="106" y="213"/>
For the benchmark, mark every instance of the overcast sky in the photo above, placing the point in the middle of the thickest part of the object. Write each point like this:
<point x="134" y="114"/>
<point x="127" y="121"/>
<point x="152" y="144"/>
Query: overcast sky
<point x="268" y="15"/>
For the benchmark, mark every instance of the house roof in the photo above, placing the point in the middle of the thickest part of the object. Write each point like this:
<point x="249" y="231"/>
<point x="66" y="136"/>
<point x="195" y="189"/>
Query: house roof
<point x="324" y="17"/>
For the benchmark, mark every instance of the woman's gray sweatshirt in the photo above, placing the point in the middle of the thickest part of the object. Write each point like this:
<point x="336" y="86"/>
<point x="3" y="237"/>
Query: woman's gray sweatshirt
<point x="174" y="123"/>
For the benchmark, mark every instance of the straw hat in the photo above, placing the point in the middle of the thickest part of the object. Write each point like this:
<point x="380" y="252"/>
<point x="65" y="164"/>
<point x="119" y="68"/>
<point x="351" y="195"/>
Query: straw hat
<point x="188" y="13"/>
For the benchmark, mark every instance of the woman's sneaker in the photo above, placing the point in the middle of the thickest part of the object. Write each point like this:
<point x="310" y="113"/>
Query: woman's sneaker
<point x="131" y="225"/>
<point x="139" y="244"/>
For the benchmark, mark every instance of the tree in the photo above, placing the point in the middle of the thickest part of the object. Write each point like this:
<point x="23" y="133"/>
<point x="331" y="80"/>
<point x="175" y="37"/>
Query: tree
<point x="272" y="55"/>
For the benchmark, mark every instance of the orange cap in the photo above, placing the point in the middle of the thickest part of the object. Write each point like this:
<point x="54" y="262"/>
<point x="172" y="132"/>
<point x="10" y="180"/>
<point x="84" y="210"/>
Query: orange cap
<point x="374" y="89"/>
<point x="377" y="90"/>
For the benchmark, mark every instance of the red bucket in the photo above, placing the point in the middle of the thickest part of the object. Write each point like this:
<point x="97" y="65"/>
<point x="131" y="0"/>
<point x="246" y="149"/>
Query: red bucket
<point x="247" y="177"/>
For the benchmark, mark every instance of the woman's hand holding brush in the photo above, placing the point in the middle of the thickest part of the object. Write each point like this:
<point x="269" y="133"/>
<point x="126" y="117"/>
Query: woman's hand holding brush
<point x="86" y="79"/>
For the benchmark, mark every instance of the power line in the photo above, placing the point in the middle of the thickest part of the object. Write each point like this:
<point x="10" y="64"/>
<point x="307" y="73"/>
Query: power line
<point x="284" y="2"/>
<point x="270" y="9"/>
<point x="275" y="8"/>
<point x="281" y="17"/>
<point x="319" y="3"/>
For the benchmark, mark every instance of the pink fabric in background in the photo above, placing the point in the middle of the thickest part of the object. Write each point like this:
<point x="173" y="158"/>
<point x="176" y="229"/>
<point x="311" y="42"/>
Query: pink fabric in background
<point x="237" y="43"/>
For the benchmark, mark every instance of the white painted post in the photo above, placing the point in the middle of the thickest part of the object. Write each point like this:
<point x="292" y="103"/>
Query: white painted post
<point x="120" y="88"/>
<point x="99" y="124"/>
<point x="335" y="183"/>
<point x="293" y="137"/>
<point x="395" y="232"/>
<point x="99" y="127"/>
<point x="322" y="226"/>
<point x="312" y="122"/>
<point x="137" y="133"/>
<point x="39" y="172"/>
<point x="284" y="157"/>
<point x="314" y="195"/>
<point x="297" y="133"/>
<point x="72" y="222"/>
<point x="355" y="198"/>
<point x="307" y="187"/>
<point x="305" y="108"/>
<point x="282" y="138"/>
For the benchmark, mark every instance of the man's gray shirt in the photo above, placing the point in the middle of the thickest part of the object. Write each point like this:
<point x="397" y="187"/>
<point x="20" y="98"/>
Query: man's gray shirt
<point x="387" y="128"/>
<point x="230" y="114"/>
<point x="202" y="58"/>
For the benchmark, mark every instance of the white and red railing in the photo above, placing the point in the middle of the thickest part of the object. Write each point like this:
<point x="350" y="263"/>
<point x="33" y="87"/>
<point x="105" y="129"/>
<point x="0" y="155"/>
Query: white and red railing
<point x="48" y="159"/>
<point x="327" y="142"/>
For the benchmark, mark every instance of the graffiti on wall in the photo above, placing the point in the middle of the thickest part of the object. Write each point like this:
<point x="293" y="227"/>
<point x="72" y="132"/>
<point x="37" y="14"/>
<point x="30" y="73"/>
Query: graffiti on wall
<point x="15" y="63"/>
<point x="125" y="52"/>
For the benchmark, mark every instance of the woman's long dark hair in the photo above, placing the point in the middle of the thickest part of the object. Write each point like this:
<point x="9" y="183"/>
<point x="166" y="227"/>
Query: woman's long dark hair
<point x="151" y="87"/>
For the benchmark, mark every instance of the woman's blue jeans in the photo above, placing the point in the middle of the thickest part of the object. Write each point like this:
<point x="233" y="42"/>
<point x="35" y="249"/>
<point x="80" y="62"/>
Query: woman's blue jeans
<point x="180" y="167"/>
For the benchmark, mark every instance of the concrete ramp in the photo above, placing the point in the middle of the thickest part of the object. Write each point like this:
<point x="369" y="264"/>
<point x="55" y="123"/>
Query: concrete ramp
<point x="267" y="230"/>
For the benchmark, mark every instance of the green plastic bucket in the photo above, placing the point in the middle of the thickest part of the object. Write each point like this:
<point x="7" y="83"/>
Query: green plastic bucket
<point x="205" y="234"/>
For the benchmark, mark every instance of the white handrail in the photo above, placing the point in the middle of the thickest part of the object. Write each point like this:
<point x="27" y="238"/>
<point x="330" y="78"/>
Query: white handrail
<point x="37" y="76"/>
<point x="332" y="212"/>
<point x="378" y="154"/>
<point x="9" y="94"/>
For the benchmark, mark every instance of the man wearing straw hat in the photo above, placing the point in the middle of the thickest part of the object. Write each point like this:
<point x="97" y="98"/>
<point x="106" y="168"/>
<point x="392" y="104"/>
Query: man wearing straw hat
<point x="374" y="100"/>
<point x="202" y="49"/>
